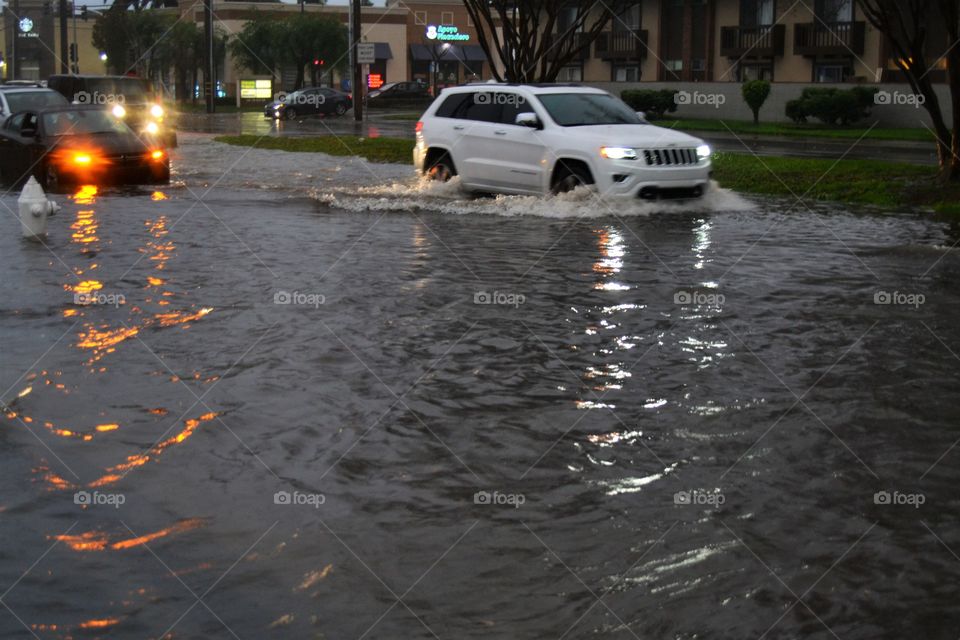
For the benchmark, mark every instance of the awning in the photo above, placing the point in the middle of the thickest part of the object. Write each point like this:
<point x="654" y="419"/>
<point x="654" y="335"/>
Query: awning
<point x="382" y="51"/>
<point x="452" y="53"/>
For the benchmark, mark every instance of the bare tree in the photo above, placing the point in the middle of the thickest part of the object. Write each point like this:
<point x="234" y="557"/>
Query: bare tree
<point x="535" y="39"/>
<point x="905" y="26"/>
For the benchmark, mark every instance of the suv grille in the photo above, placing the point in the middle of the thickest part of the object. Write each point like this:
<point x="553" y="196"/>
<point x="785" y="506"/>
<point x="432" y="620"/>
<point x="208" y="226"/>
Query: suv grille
<point x="669" y="157"/>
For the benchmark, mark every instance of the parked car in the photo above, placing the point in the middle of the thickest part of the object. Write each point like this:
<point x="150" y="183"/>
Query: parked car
<point x="536" y="139"/>
<point x="18" y="97"/>
<point x="131" y="99"/>
<point x="399" y="94"/>
<point x="72" y="144"/>
<point x="307" y="102"/>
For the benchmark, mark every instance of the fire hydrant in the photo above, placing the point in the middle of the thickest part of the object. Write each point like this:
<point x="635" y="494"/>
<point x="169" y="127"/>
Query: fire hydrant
<point x="34" y="210"/>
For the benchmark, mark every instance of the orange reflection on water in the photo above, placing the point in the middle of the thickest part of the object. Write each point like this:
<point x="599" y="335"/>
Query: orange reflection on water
<point x="181" y="317"/>
<point x="85" y="194"/>
<point x="116" y="472"/>
<point x="101" y="623"/>
<point x="108" y="427"/>
<point x="100" y="541"/>
<point x="156" y="196"/>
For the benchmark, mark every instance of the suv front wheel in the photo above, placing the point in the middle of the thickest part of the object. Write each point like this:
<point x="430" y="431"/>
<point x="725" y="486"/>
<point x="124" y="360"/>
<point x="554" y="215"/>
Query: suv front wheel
<point x="569" y="177"/>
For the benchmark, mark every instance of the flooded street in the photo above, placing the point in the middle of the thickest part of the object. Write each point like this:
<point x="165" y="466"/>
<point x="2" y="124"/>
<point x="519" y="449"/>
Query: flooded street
<point x="293" y="396"/>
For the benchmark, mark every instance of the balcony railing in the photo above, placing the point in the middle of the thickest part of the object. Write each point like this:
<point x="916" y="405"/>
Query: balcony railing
<point x="830" y="38"/>
<point x="615" y="45"/>
<point x="765" y="41"/>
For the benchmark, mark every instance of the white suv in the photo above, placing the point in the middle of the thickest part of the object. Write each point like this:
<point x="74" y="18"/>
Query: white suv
<point x="537" y="139"/>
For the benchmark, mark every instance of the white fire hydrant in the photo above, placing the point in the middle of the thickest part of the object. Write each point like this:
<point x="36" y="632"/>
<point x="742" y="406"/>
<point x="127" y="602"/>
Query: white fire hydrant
<point x="34" y="209"/>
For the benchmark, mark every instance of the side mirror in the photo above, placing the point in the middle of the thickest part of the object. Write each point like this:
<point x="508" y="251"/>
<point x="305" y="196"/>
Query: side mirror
<point x="28" y="132"/>
<point x="527" y="119"/>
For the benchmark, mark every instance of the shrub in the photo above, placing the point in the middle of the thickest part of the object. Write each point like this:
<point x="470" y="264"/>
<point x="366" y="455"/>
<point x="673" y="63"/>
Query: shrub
<point x="832" y="106"/>
<point x="653" y="102"/>
<point x="755" y="93"/>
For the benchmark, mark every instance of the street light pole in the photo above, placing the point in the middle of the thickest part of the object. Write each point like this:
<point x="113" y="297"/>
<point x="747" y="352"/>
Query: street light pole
<point x="16" y="36"/>
<point x="64" y="38"/>
<point x="354" y="59"/>
<point x="209" y="82"/>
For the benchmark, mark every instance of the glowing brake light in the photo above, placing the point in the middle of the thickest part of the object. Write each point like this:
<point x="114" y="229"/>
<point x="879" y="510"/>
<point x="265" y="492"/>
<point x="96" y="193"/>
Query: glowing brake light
<point x="82" y="158"/>
<point x="419" y="126"/>
<point x="157" y="155"/>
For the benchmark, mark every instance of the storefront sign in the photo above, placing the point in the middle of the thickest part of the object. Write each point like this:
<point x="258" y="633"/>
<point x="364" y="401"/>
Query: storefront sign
<point x="374" y="81"/>
<point x="256" y="89"/>
<point x="26" y="29"/>
<point x="446" y="33"/>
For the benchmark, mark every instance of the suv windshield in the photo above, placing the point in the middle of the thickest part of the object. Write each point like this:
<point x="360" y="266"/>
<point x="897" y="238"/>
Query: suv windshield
<point x="581" y="109"/>
<point x="26" y="100"/>
<point x="72" y="123"/>
<point x="122" y="90"/>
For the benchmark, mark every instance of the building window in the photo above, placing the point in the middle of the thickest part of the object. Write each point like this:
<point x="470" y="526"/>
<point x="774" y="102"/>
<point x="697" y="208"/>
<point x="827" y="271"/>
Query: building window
<point x="628" y="20"/>
<point x="626" y="73"/>
<point x="757" y="13"/>
<point x="747" y="72"/>
<point x="446" y="17"/>
<point x="831" y="73"/>
<point x="420" y="18"/>
<point x="673" y="65"/>
<point x="572" y="73"/>
<point x="835" y="10"/>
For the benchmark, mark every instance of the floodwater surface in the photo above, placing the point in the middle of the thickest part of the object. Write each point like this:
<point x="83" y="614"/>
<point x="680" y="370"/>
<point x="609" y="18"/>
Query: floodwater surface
<point x="293" y="396"/>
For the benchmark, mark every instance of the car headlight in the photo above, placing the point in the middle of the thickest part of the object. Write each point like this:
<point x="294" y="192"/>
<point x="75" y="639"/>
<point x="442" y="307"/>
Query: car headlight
<point x="156" y="111"/>
<point x="703" y="152"/>
<point x="118" y="111"/>
<point x="152" y="127"/>
<point x="618" y="153"/>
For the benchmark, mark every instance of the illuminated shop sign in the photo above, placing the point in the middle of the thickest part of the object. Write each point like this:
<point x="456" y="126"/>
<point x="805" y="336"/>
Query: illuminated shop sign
<point x="375" y="80"/>
<point x="256" y="89"/>
<point x="446" y="33"/>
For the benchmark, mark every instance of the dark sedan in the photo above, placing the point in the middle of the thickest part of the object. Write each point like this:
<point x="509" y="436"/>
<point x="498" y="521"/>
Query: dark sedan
<point x="308" y="102"/>
<point x="400" y="94"/>
<point x="72" y="145"/>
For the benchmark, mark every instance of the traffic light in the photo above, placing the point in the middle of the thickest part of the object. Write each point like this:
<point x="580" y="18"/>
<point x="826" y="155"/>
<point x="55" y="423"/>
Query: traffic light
<point x="317" y="62"/>
<point x="73" y="52"/>
<point x="83" y="12"/>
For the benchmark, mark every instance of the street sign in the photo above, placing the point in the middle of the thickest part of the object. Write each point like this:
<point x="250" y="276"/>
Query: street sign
<point x="366" y="53"/>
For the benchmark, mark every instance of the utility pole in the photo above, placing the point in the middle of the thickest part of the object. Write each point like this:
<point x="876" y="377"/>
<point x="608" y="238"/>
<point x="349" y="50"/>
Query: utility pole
<point x="209" y="81"/>
<point x="64" y="38"/>
<point x="357" y="82"/>
<point x="16" y="36"/>
<point x="75" y="66"/>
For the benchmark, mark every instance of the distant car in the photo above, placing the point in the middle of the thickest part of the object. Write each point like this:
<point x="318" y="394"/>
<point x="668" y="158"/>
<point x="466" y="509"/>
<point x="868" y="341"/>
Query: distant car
<point x="131" y="99"/>
<point x="19" y="97"/>
<point x="537" y="139"/>
<point x="308" y="102"/>
<point x="70" y="145"/>
<point x="399" y="94"/>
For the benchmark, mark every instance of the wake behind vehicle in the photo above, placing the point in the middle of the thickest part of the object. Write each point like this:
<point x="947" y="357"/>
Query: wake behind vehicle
<point x="130" y="99"/>
<point x="307" y="102"/>
<point x="538" y="139"/>
<point x="71" y="145"/>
